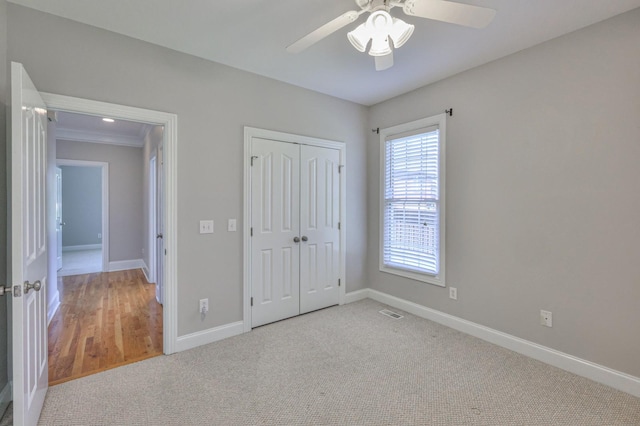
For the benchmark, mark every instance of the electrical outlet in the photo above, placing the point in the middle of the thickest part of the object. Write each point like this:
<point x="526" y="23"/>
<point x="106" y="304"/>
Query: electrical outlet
<point x="546" y="318"/>
<point x="206" y="227"/>
<point x="453" y="293"/>
<point x="204" y="306"/>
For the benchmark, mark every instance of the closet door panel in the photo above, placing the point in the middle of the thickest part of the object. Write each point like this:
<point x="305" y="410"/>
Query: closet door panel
<point x="320" y="235"/>
<point x="275" y="219"/>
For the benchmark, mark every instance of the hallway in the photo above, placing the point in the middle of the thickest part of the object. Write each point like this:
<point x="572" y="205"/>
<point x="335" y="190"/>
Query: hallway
<point x="105" y="320"/>
<point x="81" y="262"/>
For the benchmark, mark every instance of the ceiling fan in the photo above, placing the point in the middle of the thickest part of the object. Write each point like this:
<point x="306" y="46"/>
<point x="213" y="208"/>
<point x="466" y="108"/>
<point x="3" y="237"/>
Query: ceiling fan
<point x="385" y="32"/>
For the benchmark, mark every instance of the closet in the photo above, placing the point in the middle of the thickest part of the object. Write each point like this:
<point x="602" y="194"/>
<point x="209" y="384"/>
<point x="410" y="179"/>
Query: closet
<point x="295" y="229"/>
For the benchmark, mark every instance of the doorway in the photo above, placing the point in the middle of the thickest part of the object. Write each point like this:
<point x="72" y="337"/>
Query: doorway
<point x="294" y="225"/>
<point x="111" y="318"/>
<point x="82" y="217"/>
<point x="169" y="143"/>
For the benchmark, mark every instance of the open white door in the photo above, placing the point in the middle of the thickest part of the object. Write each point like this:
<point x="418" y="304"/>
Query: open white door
<point x="59" y="223"/>
<point x="28" y="247"/>
<point x="159" y="264"/>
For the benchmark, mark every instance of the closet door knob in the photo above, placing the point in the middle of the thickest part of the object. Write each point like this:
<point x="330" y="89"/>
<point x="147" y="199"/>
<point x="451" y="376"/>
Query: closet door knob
<point x="296" y="239"/>
<point x="304" y="238"/>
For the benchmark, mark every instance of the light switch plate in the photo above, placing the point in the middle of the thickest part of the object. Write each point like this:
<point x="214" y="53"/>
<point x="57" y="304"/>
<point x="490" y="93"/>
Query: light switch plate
<point x="232" y="225"/>
<point x="206" y="227"/>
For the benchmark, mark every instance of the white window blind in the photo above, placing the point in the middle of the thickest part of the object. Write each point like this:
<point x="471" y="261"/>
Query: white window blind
<point x="411" y="226"/>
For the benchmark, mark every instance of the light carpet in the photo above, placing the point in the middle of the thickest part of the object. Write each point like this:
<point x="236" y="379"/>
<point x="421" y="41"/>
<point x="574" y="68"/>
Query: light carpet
<point x="345" y="365"/>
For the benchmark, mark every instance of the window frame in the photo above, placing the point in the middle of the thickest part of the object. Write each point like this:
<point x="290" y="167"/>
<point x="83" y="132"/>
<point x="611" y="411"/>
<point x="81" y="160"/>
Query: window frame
<point x="396" y="132"/>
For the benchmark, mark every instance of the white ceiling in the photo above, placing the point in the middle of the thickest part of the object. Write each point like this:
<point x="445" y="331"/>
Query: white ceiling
<point x="89" y="128"/>
<point x="252" y="35"/>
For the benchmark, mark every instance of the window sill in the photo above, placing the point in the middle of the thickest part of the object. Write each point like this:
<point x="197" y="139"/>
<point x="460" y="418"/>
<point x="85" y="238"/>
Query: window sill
<point x="437" y="280"/>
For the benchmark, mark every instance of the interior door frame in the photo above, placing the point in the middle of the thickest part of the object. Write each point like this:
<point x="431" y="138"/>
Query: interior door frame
<point x="249" y="134"/>
<point x="153" y="169"/>
<point x="104" y="176"/>
<point x="170" y="190"/>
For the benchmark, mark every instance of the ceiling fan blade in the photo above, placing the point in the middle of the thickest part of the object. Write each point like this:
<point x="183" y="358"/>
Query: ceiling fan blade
<point x="384" y="62"/>
<point x="323" y="31"/>
<point x="447" y="11"/>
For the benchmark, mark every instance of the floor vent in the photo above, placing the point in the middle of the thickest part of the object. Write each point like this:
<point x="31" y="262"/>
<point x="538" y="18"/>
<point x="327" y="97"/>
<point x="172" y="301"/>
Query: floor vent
<point x="391" y="314"/>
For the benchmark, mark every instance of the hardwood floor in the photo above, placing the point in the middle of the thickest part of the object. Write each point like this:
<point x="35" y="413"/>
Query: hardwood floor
<point x="105" y="320"/>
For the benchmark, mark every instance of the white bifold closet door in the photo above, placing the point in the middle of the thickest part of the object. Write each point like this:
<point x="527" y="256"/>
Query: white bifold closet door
<point x="295" y="243"/>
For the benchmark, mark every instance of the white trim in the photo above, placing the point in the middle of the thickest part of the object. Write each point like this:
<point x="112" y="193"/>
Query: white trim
<point x="53" y="305"/>
<point x="125" y="265"/>
<point x="170" y="142"/>
<point x="249" y="134"/>
<point x="104" y="166"/>
<point x="145" y="270"/>
<point x="439" y="120"/>
<point x="204" y="337"/>
<point x="599" y="373"/>
<point x="98" y="137"/>
<point x="355" y="296"/>
<point x="81" y="248"/>
<point x="152" y="215"/>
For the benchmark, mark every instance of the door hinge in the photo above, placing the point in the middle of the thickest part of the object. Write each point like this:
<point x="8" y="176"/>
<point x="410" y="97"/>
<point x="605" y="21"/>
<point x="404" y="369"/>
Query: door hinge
<point x="165" y="252"/>
<point x="340" y="168"/>
<point x="338" y="225"/>
<point x="339" y="282"/>
<point x="252" y="301"/>
<point x="253" y="157"/>
<point x="17" y="291"/>
<point x="252" y="232"/>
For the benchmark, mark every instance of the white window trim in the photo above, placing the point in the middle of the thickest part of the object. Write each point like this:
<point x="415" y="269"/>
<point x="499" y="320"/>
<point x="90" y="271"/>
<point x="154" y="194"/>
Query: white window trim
<point x="440" y="121"/>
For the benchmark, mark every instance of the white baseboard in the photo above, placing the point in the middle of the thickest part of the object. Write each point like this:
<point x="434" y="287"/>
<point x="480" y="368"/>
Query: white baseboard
<point x="145" y="271"/>
<point x="211" y="335"/>
<point x="146" y="274"/>
<point x="53" y="306"/>
<point x="354" y="296"/>
<point x="124" y="265"/>
<point x="607" y="376"/>
<point x="82" y="247"/>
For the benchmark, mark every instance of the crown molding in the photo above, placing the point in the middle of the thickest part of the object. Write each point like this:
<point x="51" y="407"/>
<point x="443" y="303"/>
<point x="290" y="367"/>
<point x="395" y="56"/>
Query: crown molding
<point x="98" y="137"/>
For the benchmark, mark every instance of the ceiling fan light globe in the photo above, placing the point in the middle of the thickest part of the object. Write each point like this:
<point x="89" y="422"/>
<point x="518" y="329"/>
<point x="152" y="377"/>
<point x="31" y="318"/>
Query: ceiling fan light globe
<point x="359" y="37"/>
<point x="400" y="32"/>
<point x="379" y="23"/>
<point x="380" y="46"/>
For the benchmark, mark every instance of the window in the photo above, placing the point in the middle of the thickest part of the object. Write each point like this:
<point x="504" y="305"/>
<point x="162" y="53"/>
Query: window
<point x="412" y="200"/>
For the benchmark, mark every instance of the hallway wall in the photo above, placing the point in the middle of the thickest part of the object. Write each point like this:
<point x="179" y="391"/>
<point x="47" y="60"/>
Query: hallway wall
<point x="125" y="192"/>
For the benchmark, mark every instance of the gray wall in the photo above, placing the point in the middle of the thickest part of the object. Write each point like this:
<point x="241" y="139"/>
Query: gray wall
<point x="213" y="103"/>
<point x="543" y="155"/>
<point x="125" y="192"/>
<point x="4" y="99"/>
<point x="81" y="205"/>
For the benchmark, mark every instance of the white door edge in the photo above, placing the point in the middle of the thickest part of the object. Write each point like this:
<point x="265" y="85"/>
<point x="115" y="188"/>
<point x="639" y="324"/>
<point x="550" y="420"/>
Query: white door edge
<point x="249" y="134"/>
<point x="170" y="141"/>
<point x="151" y="248"/>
